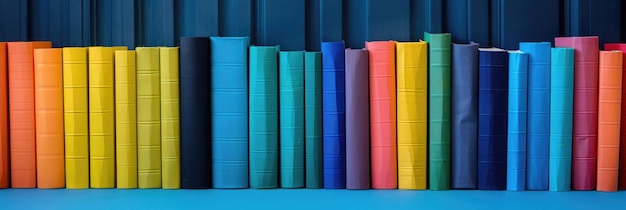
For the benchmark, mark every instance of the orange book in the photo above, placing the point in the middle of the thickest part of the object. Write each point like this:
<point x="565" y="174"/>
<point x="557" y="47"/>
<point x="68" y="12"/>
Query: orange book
<point x="22" y="113"/>
<point x="4" y="122"/>
<point x="49" y="118"/>
<point x="382" y="76"/>
<point x="609" y="107"/>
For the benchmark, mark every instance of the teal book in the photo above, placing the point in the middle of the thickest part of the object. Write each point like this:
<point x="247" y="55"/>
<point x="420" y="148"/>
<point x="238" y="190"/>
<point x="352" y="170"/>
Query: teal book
<point x="313" y="118"/>
<point x="263" y="110"/>
<point x="439" y="50"/>
<point x="291" y="102"/>
<point x="561" y="118"/>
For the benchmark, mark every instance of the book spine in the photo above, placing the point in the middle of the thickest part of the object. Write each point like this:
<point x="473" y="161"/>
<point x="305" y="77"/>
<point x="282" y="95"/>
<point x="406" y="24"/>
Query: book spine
<point x="585" y="112"/>
<point x="22" y="113"/>
<point x="517" y="119"/>
<point x="561" y="117"/>
<point x="538" y="141"/>
<point x="464" y="116"/>
<point x="277" y="25"/>
<point x="48" y="72"/>
<point x="101" y="118"/>
<point x="622" y="151"/>
<point x="412" y="100"/>
<point x="334" y="114"/>
<point x="609" y="107"/>
<point x="264" y="117"/>
<point x="357" y="119"/>
<point x="76" y="119"/>
<point x="439" y="47"/>
<point x="195" y="115"/>
<point x="170" y="117"/>
<point x="229" y="111"/>
<point x="125" y="119"/>
<point x="492" y="119"/>
<point x="4" y="119"/>
<point x="313" y="120"/>
<point x="148" y="118"/>
<point x="291" y="82"/>
<point x="383" y="114"/>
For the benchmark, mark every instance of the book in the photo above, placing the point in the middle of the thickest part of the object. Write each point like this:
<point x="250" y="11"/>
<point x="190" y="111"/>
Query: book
<point x="126" y="119"/>
<point x="196" y="18"/>
<point x="509" y="22"/>
<point x="464" y="117"/>
<point x="101" y="116"/>
<point x="622" y="150"/>
<point x="195" y="113"/>
<point x="314" y="149"/>
<point x="538" y="133"/>
<point x="517" y="121"/>
<point x="585" y="113"/>
<point x="48" y="73"/>
<point x="439" y="51"/>
<point x="281" y="22"/>
<point x="76" y="117"/>
<point x="334" y="114"/>
<point x="357" y="119"/>
<point x="4" y="119"/>
<point x="583" y="18"/>
<point x="561" y="117"/>
<point x="468" y="21"/>
<point x="170" y="117"/>
<point x="229" y="111"/>
<point x="148" y="117"/>
<point x="112" y="27"/>
<point x="492" y="118"/>
<point x="264" y="120"/>
<point x="22" y="112"/>
<point x="609" y="108"/>
<point x="412" y="111"/>
<point x="382" y="78"/>
<point x="291" y="103"/>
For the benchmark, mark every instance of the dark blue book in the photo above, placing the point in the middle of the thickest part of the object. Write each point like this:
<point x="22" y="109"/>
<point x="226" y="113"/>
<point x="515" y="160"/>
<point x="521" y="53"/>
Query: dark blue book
<point x="464" y="116"/>
<point x="523" y="21"/>
<point x="468" y="21"/>
<point x="492" y="118"/>
<point x="334" y="114"/>
<point x="195" y="113"/>
<point x="538" y="133"/>
<point x="229" y="111"/>
<point x="281" y="22"/>
<point x="593" y="18"/>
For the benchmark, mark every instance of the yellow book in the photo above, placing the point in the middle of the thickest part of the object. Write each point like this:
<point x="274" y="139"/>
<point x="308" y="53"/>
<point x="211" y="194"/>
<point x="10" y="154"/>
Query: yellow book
<point x="412" y="83"/>
<point x="170" y="118"/>
<point x="75" y="118"/>
<point x="101" y="117"/>
<point x="125" y="119"/>
<point x="148" y="117"/>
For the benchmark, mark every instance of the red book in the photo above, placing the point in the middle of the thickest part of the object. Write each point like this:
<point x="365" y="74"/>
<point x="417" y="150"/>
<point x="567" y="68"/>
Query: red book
<point x="585" y="129"/>
<point x="622" y="149"/>
<point x="4" y="122"/>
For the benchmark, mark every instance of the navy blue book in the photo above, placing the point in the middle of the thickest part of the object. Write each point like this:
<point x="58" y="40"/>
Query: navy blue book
<point x="593" y="18"/>
<point x="492" y="118"/>
<point x="229" y="111"/>
<point x="523" y="21"/>
<point x="195" y="117"/>
<point x="468" y="21"/>
<point x="334" y="114"/>
<point x="464" y="116"/>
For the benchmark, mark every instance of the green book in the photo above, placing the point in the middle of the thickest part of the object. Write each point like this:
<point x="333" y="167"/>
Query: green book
<point x="263" y="110"/>
<point x="291" y="101"/>
<point x="313" y="119"/>
<point x="439" y="103"/>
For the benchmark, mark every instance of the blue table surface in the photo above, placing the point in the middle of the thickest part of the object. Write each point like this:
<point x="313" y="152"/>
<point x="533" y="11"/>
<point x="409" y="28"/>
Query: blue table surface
<point x="304" y="199"/>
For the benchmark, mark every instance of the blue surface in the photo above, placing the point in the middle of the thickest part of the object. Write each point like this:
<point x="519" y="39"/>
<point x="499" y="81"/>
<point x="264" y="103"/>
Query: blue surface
<point x="196" y="18"/>
<point x="229" y="111"/>
<point x="236" y="18"/>
<point x="112" y="23"/>
<point x="523" y="21"/>
<point x="581" y="18"/>
<point x="474" y="26"/>
<point x="301" y="199"/>
<point x="156" y="27"/>
<point x="281" y="22"/>
<point x="516" y="131"/>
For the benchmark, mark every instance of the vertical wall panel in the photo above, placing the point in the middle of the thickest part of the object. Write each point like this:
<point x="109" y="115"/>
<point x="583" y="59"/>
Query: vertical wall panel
<point x="354" y="26"/>
<point x="387" y="20"/>
<point x="331" y="19"/>
<point x="467" y="21"/>
<point x="593" y="18"/>
<point x="75" y="18"/>
<point x="196" y="18"/>
<point x="523" y="21"/>
<point x="235" y="18"/>
<point x="425" y="16"/>
<point x="13" y="20"/>
<point x="45" y="21"/>
<point x="113" y="23"/>
<point x="281" y="22"/>
<point x="156" y="23"/>
<point x="312" y="18"/>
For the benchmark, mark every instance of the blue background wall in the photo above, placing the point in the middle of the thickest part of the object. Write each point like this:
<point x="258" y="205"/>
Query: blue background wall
<point x="301" y="24"/>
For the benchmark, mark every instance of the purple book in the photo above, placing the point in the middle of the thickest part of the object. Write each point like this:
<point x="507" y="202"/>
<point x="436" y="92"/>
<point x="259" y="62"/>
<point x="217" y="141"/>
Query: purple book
<point x="357" y="119"/>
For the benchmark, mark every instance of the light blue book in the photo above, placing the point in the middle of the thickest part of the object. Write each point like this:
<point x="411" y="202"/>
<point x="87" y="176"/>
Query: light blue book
<point x="516" y="131"/>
